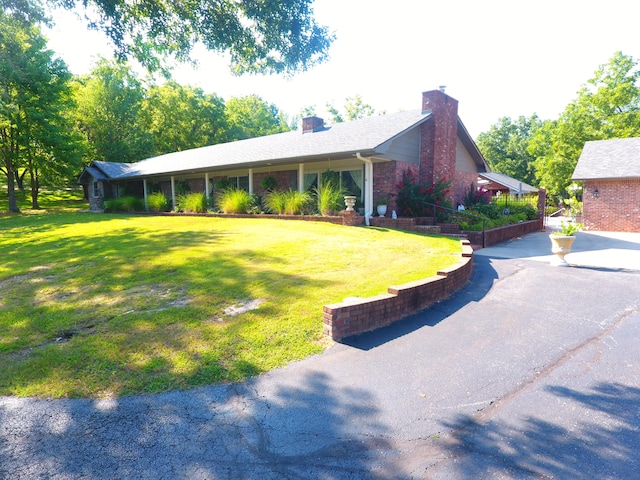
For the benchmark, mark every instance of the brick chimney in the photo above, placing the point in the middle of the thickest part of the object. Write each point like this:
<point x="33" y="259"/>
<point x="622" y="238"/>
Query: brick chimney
<point x="312" y="124"/>
<point x="438" y="137"/>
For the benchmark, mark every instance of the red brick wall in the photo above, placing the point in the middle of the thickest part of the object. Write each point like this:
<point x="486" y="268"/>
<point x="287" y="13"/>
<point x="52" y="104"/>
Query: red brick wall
<point x="362" y="315"/>
<point x="283" y="179"/>
<point x="615" y="209"/>
<point x="462" y="181"/>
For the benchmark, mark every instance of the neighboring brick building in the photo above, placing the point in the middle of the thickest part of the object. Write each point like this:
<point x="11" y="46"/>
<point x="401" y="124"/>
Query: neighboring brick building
<point x="610" y="171"/>
<point x="370" y="155"/>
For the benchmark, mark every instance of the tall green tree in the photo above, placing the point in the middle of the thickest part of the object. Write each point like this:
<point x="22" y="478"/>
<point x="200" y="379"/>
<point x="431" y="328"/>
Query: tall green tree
<point x="35" y="95"/>
<point x="260" y="36"/>
<point x="505" y="146"/>
<point x="251" y="116"/>
<point x="607" y="106"/>
<point x="110" y="100"/>
<point x="354" y="108"/>
<point x="182" y="117"/>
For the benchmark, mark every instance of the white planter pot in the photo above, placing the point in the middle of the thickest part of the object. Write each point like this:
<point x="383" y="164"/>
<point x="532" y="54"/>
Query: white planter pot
<point x="561" y="246"/>
<point x="350" y="202"/>
<point x="382" y="210"/>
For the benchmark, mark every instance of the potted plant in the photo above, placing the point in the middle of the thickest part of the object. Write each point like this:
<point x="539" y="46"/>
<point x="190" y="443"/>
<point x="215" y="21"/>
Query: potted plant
<point x="381" y="206"/>
<point x="269" y="184"/>
<point x="562" y="240"/>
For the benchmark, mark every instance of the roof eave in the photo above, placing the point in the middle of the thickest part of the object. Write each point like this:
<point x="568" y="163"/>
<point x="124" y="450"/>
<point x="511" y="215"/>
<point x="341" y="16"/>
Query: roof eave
<point x="370" y="152"/>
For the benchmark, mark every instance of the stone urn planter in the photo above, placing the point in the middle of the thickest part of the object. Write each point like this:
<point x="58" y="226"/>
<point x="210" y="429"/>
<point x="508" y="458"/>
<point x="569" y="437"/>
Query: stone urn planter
<point x="561" y="246"/>
<point x="562" y="241"/>
<point x="350" y="202"/>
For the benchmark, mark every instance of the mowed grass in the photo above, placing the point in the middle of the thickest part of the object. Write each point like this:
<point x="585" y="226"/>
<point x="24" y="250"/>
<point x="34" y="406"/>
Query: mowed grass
<point x="106" y="305"/>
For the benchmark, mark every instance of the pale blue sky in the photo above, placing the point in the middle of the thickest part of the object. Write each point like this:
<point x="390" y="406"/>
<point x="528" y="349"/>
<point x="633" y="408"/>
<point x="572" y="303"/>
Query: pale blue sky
<point x="496" y="57"/>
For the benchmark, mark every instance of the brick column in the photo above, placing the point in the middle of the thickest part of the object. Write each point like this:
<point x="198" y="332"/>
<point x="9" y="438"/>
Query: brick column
<point x="438" y="138"/>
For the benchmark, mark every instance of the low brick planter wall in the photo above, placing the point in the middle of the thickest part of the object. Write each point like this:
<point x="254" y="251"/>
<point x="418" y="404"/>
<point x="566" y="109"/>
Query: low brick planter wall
<point x="356" y="316"/>
<point x="502" y="234"/>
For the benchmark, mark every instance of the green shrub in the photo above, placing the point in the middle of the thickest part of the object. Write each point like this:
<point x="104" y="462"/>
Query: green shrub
<point x="287" y="202"/>
<point x="193" y="203"/>
<point x="275" y="202"/>
<point x="124" y="204"/>
<point x="158" y="202"/>
<point x="491" y="211"/>
<point x="296" y="202"/>
<point x="234" y="200"/>
<point x="330" y="198"/>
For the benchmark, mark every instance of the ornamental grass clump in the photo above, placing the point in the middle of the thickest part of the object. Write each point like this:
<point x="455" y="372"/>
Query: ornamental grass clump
<point x="330" y="198"/>
<point x="235" y="201"/>
<point x="287" y="202"/>
<point x="296" y="202"/>
<point x="193" y="203"/>
<point x="158" y="202"/>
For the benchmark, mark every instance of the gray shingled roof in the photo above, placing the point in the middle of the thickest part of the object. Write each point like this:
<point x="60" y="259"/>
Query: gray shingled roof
<point x="509" y="182"/>
<point x="603" y="159"/>
<point x="367" y="136"/>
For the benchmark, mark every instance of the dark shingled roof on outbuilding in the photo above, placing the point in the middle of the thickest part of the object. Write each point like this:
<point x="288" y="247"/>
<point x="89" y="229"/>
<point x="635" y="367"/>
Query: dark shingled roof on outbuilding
<point x="609" y="159"/>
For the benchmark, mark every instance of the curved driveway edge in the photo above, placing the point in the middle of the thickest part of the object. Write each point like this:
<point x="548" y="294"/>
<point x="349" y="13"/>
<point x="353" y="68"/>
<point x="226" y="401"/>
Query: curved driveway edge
<point x="529" y="371"/>
<point x="359" y="315"/>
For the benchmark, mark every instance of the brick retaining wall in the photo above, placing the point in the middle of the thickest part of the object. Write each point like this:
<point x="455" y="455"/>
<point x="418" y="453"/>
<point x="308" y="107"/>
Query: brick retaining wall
<point x="355" y="316"/>
<point x="501" y="234"/>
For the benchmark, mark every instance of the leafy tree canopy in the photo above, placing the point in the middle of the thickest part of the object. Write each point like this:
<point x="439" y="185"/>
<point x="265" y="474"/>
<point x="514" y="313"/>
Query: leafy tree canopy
<point x="250" y="116"/>
<point x="109" y="101"/>
<point x="354" y="108"/>
<point x="505" y="147"/>
<point x="35" y="97"/>
<point x="267" y="36"/>
<point x="607" y="106"/>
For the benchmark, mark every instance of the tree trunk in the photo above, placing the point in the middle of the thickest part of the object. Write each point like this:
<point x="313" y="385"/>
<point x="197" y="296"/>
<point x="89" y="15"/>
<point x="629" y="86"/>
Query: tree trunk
<point x="11" y="188"/>
<point x="20" y="180"/>
<point x="33" y="176"/>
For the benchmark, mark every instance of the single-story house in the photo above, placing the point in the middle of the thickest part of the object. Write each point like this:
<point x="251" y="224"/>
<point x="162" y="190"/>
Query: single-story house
<point x="499" y="182"/>
<point x="371" y="155"/>
<point x="610" y="172"/>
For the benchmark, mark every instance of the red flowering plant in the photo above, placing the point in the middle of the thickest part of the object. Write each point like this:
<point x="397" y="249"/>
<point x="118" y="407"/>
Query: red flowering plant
<point x="476" y="196"/>
<point x="418" y="200"/>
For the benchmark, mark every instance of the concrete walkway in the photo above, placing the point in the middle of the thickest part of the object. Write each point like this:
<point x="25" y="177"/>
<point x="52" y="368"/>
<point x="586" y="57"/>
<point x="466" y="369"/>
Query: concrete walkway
<point x="610" y="250"/>
<point x="531" y="371"/>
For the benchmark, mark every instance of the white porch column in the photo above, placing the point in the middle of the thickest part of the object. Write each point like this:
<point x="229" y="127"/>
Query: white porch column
<point x="368" y="185"/>
<point x="251" y="181"/>
<point x="206" y="185"/>
<point x="144" y="189"/>
<point x="173" y="192"/>
<point x="301" y="177"/>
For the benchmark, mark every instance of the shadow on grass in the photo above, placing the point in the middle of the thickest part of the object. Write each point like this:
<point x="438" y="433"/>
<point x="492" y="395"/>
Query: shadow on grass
<point x="102" y="310"/>
<point x="536" y="448"/>
<point x="303" y="428"/>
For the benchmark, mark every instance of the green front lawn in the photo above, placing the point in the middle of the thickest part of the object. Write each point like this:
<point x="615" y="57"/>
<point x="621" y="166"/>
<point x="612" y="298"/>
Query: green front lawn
<point x="98" y="305"/>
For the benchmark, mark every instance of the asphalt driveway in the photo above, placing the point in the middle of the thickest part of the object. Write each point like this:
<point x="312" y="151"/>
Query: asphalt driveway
<point x="531" y="371"/>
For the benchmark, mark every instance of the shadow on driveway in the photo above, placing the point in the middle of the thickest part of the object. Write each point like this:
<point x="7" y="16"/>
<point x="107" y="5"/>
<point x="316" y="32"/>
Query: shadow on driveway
<point x="482" y="280"/>
<point x="539" y="448"/>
